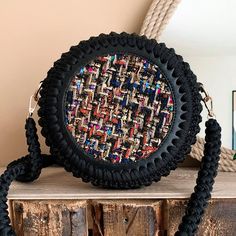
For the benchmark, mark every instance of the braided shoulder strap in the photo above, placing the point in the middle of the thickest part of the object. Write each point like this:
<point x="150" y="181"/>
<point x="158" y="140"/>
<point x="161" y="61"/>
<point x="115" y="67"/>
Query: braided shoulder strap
<point x="25" y="169"/>
<point x="28" y="168"/>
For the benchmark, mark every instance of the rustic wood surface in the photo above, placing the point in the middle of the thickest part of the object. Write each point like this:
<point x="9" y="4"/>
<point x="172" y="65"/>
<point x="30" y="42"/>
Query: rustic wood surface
<point x="219" y="218"/>
<point x="117" y="217"/>
<point x="67" y="206"/>
<point x="129" y="218"/>
<point x="56" y="183"/>
<point x="50" y="218"/>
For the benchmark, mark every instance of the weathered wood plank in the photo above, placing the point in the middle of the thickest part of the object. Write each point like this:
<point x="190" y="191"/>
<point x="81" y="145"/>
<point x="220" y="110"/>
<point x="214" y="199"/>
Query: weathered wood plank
<point x="127" y="218"/>
<point x="219" y="218"/>
<point x="50" y="218"/>
<point x="53" y="184"/>
<point x="118" y="217"/>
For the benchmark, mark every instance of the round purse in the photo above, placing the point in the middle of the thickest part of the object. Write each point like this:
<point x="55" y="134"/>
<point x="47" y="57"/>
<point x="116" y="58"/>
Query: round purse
<point x="119" y="111"/>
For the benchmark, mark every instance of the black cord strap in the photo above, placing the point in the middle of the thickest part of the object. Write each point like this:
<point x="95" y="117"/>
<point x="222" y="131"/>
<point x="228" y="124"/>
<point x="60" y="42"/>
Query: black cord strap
<point x="25" y="169"/>
<point x="28" y="168"/>
<point x="205" y="180"/>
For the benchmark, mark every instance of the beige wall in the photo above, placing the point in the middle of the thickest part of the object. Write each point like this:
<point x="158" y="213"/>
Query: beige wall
<point x="33" y="36"/>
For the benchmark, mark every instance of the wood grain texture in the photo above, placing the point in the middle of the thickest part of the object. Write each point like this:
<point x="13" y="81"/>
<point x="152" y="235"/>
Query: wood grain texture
<point x="127" y="218"/>
<point x="67" y="206"/>
<point x="117" y="217"/>
<point x="219" y="218"/>
<point x="50" y="218"/>
<point x="56" y="183"/>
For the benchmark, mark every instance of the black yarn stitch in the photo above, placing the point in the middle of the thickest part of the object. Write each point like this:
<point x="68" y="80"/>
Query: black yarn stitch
<point x="32" y="162"/>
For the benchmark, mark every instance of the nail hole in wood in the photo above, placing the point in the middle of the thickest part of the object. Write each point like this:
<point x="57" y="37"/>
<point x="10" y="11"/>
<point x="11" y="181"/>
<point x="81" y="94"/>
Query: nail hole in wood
<point x="125" y="221"/>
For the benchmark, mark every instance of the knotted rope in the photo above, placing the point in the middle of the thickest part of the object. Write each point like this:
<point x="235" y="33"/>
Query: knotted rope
<point x="24" y="169"/>
<point x="227" y="162"/>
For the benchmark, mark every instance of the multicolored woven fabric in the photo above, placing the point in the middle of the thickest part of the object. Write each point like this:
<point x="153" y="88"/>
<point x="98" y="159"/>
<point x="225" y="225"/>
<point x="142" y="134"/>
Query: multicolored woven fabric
<point x="119" y="108"/>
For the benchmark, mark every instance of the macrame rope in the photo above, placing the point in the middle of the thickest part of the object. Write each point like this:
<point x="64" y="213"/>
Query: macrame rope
<point x="156" y="19"/>
<point x="25" y="169"/>
<point x="226" y="163"/>
<point x="205" y="180"/>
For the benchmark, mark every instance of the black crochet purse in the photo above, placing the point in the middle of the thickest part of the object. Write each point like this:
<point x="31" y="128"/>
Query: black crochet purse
<point x="119" y="111"/>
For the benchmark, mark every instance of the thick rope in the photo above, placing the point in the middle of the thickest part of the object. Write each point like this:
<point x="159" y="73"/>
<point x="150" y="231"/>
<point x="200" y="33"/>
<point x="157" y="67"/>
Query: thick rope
<point x="227" y="163"/>
<point x="156" y="19"/>
<point x="205" y="180"/>
<point x="25" y="169"/>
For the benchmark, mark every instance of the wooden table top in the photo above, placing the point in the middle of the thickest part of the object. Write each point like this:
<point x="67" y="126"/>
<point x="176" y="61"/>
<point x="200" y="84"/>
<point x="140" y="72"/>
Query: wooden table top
<point x="56" y="183"/>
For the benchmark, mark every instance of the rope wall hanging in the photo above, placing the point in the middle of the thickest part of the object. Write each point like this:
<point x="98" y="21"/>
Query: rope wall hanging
<point x="119" y="111"/>
<point x="157" y="18"/>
